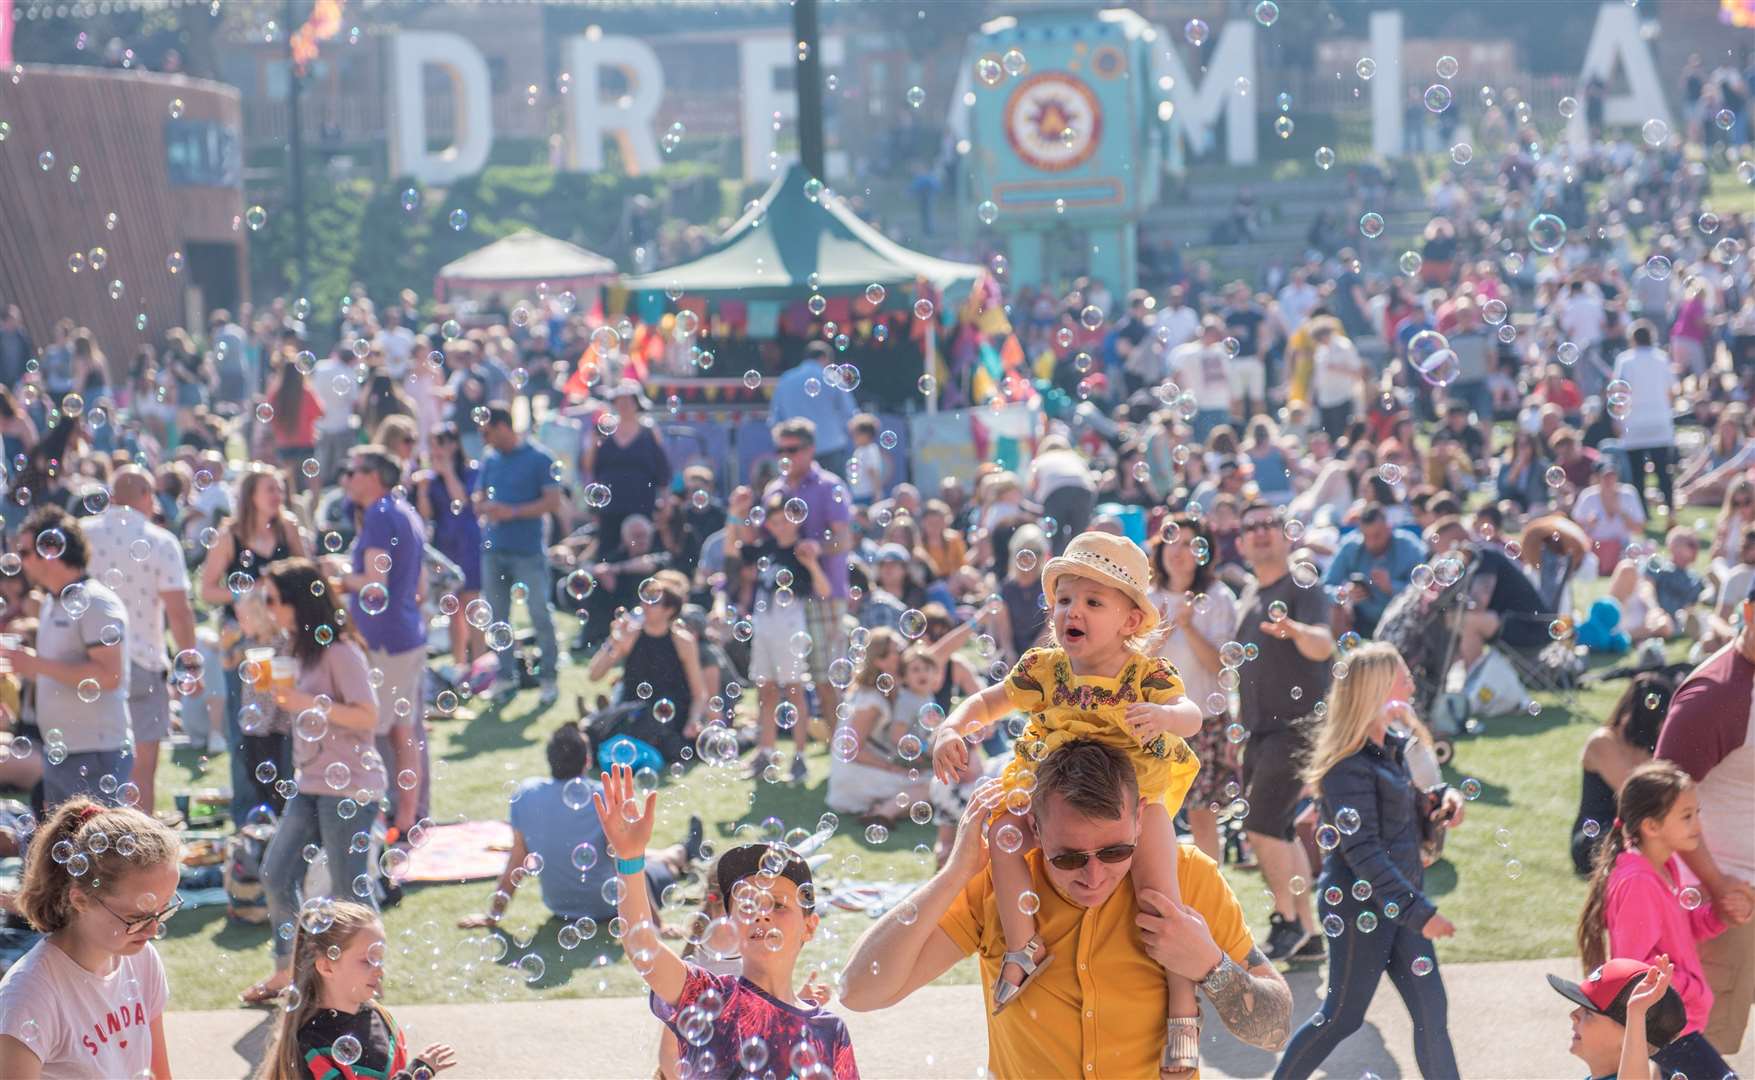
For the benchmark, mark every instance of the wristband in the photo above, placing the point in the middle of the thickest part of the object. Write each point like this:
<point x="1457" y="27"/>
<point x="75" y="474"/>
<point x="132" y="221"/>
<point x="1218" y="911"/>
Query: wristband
<point x="630" y="866"/>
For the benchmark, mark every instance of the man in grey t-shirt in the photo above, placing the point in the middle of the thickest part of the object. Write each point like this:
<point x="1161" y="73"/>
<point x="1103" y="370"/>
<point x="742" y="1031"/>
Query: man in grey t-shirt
<point x="80" y="665"/>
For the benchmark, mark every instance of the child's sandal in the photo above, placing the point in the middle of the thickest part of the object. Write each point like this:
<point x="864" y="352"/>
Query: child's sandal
<point x="1181" y="1047"/>
<point x="1004" y="993"/>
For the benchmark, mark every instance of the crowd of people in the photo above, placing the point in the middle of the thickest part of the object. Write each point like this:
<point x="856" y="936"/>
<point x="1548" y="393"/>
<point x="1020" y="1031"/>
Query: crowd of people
<point x="1275" y="546"/>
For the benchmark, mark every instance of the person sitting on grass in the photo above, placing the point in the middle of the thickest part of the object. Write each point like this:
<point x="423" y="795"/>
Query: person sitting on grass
<point x="1627" y="1011"/>
<point x="661" y="668"/>
<point x="552" y="826"/>
<point x="758" y="1017"/>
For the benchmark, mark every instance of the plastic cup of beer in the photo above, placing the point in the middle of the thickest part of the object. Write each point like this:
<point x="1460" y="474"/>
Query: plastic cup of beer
<point x="260" y="667"/>
<point x="9" y="641"/>
<point x="283" y="672"/>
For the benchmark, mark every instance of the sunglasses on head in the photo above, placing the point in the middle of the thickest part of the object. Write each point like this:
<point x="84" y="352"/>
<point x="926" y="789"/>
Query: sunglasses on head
<point x="1075" y="860"/>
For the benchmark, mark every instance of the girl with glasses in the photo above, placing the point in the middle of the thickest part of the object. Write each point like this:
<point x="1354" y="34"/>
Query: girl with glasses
<point x="89" y="998"/>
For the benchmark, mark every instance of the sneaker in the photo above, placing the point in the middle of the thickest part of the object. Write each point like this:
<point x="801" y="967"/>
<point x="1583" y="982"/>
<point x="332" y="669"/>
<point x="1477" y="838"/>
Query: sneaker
<point x="758" y="764"/>
<point x="1285" y="937"/>
<point x="1312" y="951"/>
<point x="550" y="694"/>
<point x="798" y="768"/>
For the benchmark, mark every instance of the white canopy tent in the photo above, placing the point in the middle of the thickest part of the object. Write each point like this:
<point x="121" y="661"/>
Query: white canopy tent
<point x="523" y="261"/>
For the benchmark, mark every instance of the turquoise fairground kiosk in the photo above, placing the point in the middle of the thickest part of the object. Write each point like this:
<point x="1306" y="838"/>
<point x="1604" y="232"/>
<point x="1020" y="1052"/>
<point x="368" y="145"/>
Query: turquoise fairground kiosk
<point x="1067" y="129"/>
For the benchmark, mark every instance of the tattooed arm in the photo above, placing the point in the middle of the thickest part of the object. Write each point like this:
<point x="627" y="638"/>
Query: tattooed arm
<point x="1255" y="1004"/>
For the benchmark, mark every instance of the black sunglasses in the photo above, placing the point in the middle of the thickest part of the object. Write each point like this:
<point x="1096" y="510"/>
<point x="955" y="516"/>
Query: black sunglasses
<point x="794" y="448"/>
<point x="1258" y="526"/>
<point x="1075" y="860"/>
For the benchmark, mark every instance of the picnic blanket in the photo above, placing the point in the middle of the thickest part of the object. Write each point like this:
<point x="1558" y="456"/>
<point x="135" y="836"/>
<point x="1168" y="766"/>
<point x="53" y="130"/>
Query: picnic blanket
<point x="469" y="851"/>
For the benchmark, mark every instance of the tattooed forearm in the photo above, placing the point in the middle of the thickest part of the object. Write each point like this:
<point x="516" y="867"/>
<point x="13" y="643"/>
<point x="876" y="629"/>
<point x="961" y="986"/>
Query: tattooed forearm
<point x="1255" y="1008"/>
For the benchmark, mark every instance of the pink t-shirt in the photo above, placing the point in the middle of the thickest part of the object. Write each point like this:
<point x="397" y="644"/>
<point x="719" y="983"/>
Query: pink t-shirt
<point x="340" y="754"/>
<point x="1646" y="917"/>
<point x="83" y="1026"/>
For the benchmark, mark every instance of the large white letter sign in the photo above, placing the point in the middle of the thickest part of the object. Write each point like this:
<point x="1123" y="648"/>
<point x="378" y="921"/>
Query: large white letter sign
<point x="1386" y="84"/>
<point x="628" y="119"/>
<point x="1196" y="109"/>
<point x="411" y="51"/>
<point x="758" y="59"/>
<point x="1616" y="37"/>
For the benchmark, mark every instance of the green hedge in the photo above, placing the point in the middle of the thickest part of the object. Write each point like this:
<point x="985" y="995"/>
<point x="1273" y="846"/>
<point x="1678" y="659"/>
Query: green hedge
<point x="358" y="231"/>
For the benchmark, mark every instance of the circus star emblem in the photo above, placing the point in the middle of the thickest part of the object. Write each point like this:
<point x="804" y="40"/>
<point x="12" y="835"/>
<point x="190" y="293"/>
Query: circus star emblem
<point x="1053" y="121"/>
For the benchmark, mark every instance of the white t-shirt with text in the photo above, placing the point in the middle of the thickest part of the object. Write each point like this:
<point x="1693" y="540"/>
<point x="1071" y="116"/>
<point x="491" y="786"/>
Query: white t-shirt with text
<point x="80" y="1025"/>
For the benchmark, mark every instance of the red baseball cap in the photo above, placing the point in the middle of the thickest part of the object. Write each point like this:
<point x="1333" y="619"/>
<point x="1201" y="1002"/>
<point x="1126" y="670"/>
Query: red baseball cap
<point x="1605" y="992"/>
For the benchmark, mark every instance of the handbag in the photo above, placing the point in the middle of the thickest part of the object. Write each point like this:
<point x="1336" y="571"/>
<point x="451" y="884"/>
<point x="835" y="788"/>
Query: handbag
<point x="1432" y="831"/>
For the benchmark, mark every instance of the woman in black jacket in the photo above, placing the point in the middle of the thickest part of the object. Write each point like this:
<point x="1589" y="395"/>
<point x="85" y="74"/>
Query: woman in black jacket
<point x="1374" y="913"/>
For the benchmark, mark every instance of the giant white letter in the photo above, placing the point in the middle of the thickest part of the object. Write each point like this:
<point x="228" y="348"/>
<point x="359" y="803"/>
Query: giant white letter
<point x="1616" y="37"/>
<point x="1386" y="84"/>
<point x="758" y="59"/>
<point x="629" y="119"/>
<point x="411" y="51"/>
<point x="1197" y="109"/>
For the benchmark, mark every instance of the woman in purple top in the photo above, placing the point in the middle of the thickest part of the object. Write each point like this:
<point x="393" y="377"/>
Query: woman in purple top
<point x="338" y="772"/>
<point x="442" y="495"/>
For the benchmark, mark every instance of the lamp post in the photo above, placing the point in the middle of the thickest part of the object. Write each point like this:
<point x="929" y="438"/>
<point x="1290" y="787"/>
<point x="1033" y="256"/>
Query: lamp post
<point x="810" y="87"/>
<point x="295" y="154"/>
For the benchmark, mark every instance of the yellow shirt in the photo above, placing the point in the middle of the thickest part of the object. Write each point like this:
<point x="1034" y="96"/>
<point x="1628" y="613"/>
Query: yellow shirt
<point x="1098" y="1010"/>
<point x="1065" y="707"/>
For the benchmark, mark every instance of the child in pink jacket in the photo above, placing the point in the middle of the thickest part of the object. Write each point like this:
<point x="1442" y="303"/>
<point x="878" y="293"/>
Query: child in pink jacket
<point x="1638" y="898"/>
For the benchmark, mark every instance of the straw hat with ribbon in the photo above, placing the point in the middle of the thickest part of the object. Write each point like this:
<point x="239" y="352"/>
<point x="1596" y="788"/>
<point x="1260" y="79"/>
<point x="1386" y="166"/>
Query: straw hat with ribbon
<point x="1109" y="560"/>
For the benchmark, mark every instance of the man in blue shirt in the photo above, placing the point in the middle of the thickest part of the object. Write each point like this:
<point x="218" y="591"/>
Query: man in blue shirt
<point x="515" y="492"/>
<point x="553" y="819"/>
<point x="830" y="408"/>
<point x="383" y="575"/>
<point x="1373" y="565"/>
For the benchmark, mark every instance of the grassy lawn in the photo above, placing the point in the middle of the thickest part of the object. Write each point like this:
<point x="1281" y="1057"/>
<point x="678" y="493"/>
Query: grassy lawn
<point x="1527" y="767"/>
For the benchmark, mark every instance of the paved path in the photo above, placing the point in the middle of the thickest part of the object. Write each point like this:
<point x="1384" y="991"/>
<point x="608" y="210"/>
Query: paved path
<point x="1505" y="1023"/>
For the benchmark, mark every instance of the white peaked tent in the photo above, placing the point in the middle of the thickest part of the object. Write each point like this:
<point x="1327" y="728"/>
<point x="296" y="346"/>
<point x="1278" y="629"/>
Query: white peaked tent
<point x="523" y="260"/>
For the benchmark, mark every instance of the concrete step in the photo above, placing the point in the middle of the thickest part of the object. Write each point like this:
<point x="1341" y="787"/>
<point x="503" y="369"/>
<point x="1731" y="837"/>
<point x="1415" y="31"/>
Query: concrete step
<point x="1504" y="1023"/>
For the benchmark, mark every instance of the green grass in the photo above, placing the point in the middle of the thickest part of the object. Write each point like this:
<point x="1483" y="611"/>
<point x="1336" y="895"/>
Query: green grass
<point x="1527" y="767"/>
<point x="209" y="959"/>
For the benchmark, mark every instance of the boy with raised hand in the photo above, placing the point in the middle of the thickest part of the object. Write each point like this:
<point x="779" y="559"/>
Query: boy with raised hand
<point x="1626" y="1013"/>
<point x="746" y="1023"/>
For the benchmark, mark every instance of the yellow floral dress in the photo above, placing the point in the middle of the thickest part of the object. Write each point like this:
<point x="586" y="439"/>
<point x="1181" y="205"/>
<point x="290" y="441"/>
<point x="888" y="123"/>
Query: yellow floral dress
<point x="1064" y="707"/>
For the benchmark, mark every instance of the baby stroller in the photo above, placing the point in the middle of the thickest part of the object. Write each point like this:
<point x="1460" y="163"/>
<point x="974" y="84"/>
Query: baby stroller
<point x="1423" y="625"/>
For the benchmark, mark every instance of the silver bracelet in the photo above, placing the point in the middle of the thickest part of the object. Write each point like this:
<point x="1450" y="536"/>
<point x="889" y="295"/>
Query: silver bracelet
<point x="1223" y="976"/>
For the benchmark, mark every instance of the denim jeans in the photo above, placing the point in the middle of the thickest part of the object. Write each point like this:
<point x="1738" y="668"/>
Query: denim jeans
<point x="1692" y="1056"/>
<point x="499" y="569"/>
<point x="1356" y="964"/>
<point x="313" y="819"/>
<point x="247" y="752"/>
